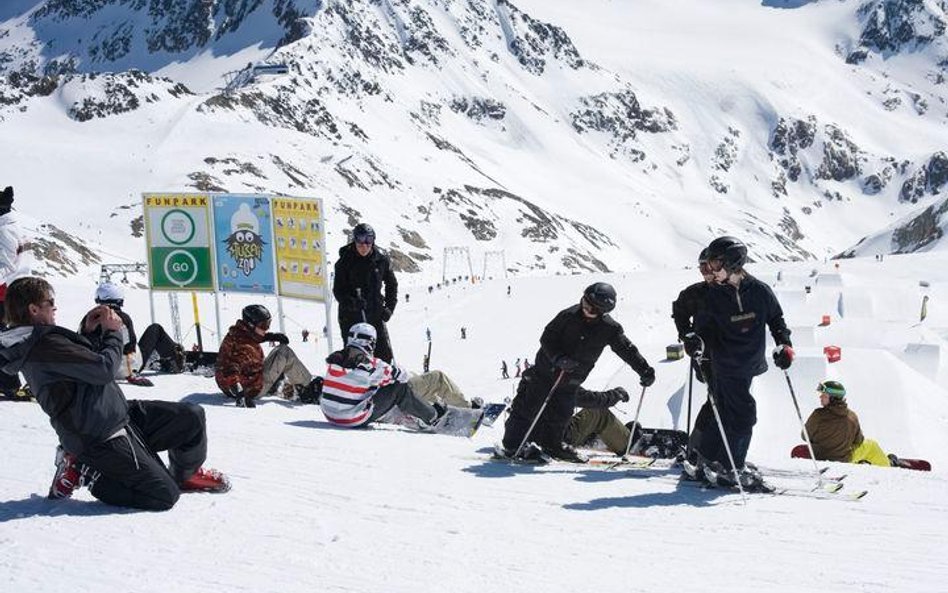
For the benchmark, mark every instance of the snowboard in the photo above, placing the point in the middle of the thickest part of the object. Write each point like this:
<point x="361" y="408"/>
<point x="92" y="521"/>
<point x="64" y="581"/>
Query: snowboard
<point x="801" y="451"/>
<point x="660" y="443"/>
<point x="460" y="422"/>
<point x="492" y="412"/>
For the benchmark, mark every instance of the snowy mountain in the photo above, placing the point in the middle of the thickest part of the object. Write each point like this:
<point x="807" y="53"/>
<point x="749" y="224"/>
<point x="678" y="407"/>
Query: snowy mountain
<point x="586" y="136"/>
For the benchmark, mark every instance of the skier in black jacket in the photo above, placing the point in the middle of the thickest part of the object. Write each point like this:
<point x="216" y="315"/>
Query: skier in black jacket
<point x="361" y="272"/>
<point x="569" y="348"/>
<point x="738" y="310"/>
<point x="106" y="442"/>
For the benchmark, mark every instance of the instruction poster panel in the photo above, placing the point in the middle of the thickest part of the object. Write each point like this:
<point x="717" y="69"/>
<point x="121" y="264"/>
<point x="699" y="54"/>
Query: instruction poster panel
<point x="300" y="247"/>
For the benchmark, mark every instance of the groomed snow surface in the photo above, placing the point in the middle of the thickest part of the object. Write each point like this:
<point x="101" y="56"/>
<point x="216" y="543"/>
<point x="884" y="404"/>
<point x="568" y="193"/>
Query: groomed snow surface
<point x="316" y="508"/>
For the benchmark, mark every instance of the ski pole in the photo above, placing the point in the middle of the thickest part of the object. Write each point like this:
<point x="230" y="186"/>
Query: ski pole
<point x="806" y="434"/>
<point x="727" y="447"/>
<point x="556" y="384"/>
<point x="691" y="380"/>
<point x="362" y="307"/>
<point x="635" y="423"/>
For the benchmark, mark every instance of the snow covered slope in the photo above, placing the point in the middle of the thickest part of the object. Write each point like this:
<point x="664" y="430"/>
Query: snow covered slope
<point x="577" y="137"/>
<point x="319" y="508"/>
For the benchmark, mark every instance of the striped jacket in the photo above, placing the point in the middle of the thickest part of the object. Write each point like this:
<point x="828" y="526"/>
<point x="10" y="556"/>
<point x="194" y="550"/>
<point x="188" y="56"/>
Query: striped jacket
<point x="352" y="378"/>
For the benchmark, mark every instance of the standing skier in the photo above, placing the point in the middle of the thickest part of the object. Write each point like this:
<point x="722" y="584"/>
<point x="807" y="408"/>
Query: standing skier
<point x="569" y="348"/>
<point x="11" y="246"/>
<point x="503" y="370"/>
<point x="363" y="269"/>
<point x="739" y="308"/>
<point x="685" y="309"/>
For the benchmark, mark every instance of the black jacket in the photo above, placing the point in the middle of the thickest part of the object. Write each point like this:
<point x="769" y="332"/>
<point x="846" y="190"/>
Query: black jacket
<point x="369" y="274"/>
<point x="733" y="326"/>
<point x="689" y="304"/>
<point x="72" y="379"/>
<point x="570" y="334"/>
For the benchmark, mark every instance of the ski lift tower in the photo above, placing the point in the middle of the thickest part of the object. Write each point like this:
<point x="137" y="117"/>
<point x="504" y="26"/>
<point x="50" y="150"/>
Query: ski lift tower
<point x="454" y="252"/>
<point x="493" y="256"/>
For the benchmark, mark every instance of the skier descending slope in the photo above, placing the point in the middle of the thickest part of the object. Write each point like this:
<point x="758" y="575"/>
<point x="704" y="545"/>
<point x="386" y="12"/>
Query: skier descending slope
<point x="738" y="309"/>
<point x="569" y="348"/>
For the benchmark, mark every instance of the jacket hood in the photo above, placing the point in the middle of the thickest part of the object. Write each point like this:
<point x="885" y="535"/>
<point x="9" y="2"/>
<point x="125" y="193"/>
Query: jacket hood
<point x="838" y="407"/>
<point x="349" y="250"/>
<point x="16" y="343"/>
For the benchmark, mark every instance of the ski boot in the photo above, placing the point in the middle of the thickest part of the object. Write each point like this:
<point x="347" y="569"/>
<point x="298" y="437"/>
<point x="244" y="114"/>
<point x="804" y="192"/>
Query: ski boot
<point x="565" y="452"/>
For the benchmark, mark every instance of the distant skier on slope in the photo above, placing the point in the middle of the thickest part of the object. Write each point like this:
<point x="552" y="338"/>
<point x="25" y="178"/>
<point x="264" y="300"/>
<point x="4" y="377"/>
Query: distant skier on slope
<point x="569" y="348"/>
<point x="739" y="308"/>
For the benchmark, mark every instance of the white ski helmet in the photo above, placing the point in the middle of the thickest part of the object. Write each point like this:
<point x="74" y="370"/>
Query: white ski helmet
<point x="362" y="336"/>
<point x="109" y="294"/>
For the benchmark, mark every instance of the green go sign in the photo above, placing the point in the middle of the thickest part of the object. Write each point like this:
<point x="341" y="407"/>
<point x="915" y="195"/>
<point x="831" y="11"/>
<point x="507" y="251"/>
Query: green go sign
<point x="179" y="241"/>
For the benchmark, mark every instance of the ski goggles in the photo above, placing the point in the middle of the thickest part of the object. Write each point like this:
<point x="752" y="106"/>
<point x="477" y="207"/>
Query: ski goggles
<point x="715" y="265"/>
<point x="832" y="389"/>
<point x="364" y="239"/>
<point x="705" y="268"/>
<point x="590" y="308"/>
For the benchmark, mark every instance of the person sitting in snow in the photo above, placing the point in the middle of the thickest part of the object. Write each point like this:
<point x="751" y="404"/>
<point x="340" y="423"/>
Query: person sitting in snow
<point x="243" y="374"/>
<point x="107" y="443"/>
<point x="835" y="432"/>
<point x="360" y="388"/>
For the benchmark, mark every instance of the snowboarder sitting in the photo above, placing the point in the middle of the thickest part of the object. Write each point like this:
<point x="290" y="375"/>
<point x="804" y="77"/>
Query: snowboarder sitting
<point x="569" y="348"/>
<point x="360" y="388"/>
<point x="835" y="432"/>
<point x="112" y="296"/>
<point x="243" y="374"/>
<point x="106" y="442"/>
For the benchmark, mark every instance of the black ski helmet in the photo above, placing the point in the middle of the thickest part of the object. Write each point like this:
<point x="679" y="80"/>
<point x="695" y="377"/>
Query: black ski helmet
<point x="834" y="389"/>
<point x="731" y="251"/>
<point x="703" y="256"/>
<point x="256" y="315"/>
<point x="363" y="233"/>
<point x="601" y="296"/>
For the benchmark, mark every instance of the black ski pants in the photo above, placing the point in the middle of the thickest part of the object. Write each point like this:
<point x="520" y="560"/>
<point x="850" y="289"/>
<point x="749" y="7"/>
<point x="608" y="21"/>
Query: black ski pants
<point x="738" y="411"/>
<point x="131" y="473"/>
<point x="156" y="339"/>
<point x="383" y="344"/>
<point x="550" y="430"/>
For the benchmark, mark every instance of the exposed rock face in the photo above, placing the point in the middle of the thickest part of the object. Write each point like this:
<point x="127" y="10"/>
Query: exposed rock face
<point x="924" y="229"/>
<point x="790" y="136"/>
<point x="621" y="118"/>
<point x="892" y="25"/>
<point x="928" y="179"/>
<point x="479" y="108"/>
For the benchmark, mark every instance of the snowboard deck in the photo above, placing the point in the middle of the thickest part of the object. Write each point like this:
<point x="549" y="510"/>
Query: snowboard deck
<point x="801" y="451"/>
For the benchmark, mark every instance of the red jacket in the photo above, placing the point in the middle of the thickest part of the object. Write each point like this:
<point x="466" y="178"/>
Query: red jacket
<point x="240" y="361"/>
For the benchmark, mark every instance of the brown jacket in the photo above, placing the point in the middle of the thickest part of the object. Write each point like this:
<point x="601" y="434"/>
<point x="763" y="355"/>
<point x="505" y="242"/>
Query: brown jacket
<point x="834" y="431"/>
<point x="240" y="361"/>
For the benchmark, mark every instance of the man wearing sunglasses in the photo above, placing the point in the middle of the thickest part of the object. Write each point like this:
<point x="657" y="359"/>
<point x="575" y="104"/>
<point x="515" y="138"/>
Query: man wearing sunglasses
<point x="732" y="326"/>
<point x="107" y="443"/>
<point x="361" y="273"/>
<point x="569" y="348"/>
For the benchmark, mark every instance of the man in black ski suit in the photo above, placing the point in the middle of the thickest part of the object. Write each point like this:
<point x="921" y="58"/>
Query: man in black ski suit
<point x="685" y="309"/>
<point x="569" y="348"/>
<point x="738" y="310"/>
<point x="361" y="272"/>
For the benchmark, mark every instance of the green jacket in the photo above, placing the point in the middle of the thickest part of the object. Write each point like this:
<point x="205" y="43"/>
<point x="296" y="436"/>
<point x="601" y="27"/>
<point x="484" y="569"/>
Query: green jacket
<point x="834" y="431"/>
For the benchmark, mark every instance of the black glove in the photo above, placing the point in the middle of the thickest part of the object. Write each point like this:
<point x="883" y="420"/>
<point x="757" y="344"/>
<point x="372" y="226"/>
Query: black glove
<point x="783" y="356"/>
<point x="693" y="343"/>
<point x="616" y="395"/>
<point x="386" y="313"/>
<point x="566" y="363"/>
<point x="8" y="193"/>
<point x="276" y="337"/>
<point x="647" y="377"/>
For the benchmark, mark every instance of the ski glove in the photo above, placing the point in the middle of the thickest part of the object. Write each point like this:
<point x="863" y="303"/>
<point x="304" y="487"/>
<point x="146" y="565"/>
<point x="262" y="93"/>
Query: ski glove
<point x="616" y="395"/>
<point x="386" y="313"/>
<point x="693" y="344"/>
<point x="276" y="337"/>
<point x="783" y="356"/>
<point x="647" y="377"/>
<point x="566" y="363"/>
